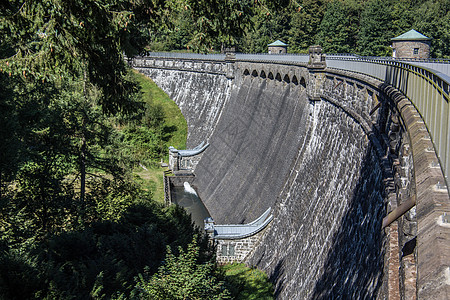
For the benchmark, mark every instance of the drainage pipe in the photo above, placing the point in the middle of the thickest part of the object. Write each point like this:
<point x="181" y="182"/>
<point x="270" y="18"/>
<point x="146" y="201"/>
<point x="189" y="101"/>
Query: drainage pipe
<point x="399" y="211"/>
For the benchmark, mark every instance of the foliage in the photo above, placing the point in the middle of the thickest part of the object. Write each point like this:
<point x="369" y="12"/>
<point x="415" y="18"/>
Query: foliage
<point x="375" y="29"/>
<point x="338" y="28"/>
<point x="184" y="277"/>
<point x="247" y="283"/>
<point x="105" y="256"/>
<point x="432" y="19"/>
<point x="305" y="24"/>
<point x="165" y="113"/>
<point x="362" y="27"/>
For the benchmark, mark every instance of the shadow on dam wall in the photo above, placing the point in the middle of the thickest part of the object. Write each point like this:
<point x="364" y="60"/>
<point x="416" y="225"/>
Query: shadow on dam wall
<point x="354" y="265"/>
<point x="314" y="165"/>
<point x="326" y="241"/>
<point x="251" y="150"/>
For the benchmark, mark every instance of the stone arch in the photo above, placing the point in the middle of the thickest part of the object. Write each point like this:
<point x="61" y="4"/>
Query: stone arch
<point x="263" y="74"/>
<point x="246" y="72"/>
<point x="255" y="73"/>
<point x="294" y="80"/>
<point x="278" y="77"/>
<point x="303" y="82"/>
<point x="270" y="76"/>
<point x="286" y="79"/>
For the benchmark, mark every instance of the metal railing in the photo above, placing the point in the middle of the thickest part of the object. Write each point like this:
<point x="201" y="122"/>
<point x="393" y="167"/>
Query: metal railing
<point x="427" y="89"/>
<point x="439" y="65"/>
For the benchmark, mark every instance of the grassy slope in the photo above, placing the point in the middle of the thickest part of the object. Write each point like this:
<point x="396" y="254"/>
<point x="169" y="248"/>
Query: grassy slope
<point x="173" y="116"/>
<point x="249" y="283"/>
<point x="152" y="178"/>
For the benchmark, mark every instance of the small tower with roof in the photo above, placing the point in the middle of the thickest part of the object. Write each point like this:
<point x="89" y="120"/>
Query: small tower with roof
<point x="411" y="44"/>
<point x="277" y="47"/>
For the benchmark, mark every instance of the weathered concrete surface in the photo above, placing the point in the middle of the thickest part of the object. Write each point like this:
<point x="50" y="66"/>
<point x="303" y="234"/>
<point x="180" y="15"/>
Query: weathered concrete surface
<point x="312" y="162"/>
<point x="252" y="150"/>
<point x="326" y="239"/>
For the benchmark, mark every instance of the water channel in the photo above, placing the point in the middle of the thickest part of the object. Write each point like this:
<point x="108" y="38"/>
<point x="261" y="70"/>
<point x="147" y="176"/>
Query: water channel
<point x="186" y="197"/>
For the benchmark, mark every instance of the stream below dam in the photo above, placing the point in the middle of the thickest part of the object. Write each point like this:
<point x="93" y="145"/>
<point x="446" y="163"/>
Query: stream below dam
<point x="186" y="197"/>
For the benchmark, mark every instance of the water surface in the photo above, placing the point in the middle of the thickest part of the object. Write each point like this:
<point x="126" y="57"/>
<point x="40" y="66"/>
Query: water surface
<point x="186" y="197"/>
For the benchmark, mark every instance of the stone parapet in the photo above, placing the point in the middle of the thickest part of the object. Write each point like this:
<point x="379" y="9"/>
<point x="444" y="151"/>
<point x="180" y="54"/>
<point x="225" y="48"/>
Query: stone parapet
<point x="188" y="65"/>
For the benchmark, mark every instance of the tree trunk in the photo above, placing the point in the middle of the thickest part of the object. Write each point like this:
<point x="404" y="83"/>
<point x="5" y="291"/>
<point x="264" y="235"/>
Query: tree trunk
<point x="83" y="169"/>
<point x="83" y="148"/>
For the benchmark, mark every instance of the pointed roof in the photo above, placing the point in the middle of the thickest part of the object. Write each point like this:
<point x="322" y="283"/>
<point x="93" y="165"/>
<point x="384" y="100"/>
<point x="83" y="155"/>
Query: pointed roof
<point x="277" y="43"/>
<point x="411" y="35"/>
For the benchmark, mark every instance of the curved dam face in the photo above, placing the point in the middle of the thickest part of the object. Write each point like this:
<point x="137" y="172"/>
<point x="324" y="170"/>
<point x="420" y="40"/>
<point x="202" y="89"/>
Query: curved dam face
<point x="270" y="146"/>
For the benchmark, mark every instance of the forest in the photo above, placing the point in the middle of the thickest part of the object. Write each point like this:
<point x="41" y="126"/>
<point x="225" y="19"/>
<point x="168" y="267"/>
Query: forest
<point x="363" y="27"/>
<point x="77" y="125"/>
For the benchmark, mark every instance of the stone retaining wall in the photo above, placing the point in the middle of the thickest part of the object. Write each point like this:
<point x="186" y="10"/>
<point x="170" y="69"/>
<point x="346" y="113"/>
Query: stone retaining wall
<point x="229" y="251"/>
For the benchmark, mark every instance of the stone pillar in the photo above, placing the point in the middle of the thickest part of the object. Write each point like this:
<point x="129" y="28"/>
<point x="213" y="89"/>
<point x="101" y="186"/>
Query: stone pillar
<point x="316" y="58"/>
<point x="209" y="227"/>
<point x="174" y="160"/>
<point x="230" y="58"/>
<point x="316" y="67"/>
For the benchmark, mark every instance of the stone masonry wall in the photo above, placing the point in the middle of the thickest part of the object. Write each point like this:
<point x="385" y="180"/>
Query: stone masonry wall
<point x="405" y="49"/>
<point x="229" y="251"/>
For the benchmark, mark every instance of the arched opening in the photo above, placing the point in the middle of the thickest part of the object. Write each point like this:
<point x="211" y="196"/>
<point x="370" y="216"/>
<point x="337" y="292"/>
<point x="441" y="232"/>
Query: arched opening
<point x="278" y="77"/>
<point x="263" y="74"/>
<point x="246" y="72"/>
<point x="255" y="73"/>
<point x="295" y="80"/>
<point x="303" y="82"/>
<point x="286" y="79"/>
<point x="270" y="75"/>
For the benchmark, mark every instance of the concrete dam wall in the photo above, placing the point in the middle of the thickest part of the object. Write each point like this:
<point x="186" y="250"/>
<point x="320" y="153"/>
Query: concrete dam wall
<point x="271" y="146"/>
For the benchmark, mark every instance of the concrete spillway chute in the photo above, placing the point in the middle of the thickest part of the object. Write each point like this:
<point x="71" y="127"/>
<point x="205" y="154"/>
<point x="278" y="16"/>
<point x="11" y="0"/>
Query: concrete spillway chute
<point x="238" y="231"/>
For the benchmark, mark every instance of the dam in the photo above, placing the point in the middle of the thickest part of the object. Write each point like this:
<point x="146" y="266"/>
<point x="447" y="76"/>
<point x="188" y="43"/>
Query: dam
<point x="332" y="152"/>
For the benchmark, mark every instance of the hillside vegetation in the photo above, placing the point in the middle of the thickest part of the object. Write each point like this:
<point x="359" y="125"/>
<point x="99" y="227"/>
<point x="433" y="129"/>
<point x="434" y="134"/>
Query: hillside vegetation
<point x="362" y="27"/>
<point x="76" y="128"/>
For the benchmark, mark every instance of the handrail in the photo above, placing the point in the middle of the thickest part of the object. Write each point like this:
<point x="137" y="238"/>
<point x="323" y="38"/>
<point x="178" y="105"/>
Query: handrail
<point x="427" y="89"/>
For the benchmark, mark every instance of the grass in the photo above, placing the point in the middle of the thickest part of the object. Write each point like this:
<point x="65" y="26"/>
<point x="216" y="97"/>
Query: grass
<point x="152" y="94"/>
<point x="248" y="283"/>
<point x="151" y="178"/>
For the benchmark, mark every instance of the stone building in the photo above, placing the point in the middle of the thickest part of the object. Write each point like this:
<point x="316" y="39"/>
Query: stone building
<point x="277" y="47"/>
<point x="411" y="44"/>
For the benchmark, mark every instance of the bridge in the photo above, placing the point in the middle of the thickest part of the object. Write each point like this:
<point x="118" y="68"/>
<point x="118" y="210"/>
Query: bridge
<point x="362" y="149"/>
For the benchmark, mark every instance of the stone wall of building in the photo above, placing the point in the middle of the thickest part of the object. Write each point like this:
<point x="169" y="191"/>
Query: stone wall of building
<point x="411" y="49"/>
<point x="277" y="50"/>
